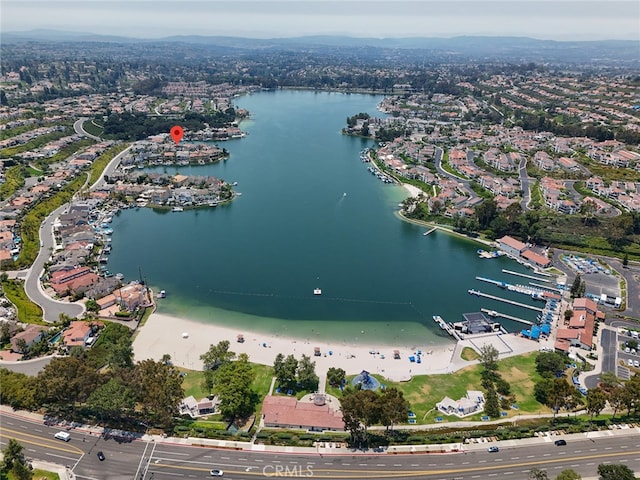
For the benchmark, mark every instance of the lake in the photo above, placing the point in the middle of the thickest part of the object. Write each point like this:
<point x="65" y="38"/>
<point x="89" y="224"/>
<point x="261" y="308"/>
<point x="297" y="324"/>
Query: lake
<point x="310" y="216"/>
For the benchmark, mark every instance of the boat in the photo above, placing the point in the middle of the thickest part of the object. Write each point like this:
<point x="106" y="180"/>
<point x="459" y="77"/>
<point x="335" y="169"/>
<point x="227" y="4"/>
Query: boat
<point x="162" y="294"/>
<point x="317" y="291"/>
<point x="119" y="276"/>
<point x="177" y="209"/>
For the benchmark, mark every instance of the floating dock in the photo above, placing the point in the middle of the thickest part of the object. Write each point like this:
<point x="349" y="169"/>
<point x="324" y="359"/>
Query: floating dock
<point x="500" y="299"/>
<point x="433" y="229"/>
<point x="493" y="313"/>
<point x="518" y="274"/>
<point x="447" y="327"/>
<point x="546" y="288"/>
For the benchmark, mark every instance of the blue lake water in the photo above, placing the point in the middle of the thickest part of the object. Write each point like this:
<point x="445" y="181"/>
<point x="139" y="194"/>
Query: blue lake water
<point x="310" y="216"/>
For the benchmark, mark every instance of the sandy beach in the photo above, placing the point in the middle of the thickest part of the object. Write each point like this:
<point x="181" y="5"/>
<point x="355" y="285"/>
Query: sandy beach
<point x="185" y="340"/>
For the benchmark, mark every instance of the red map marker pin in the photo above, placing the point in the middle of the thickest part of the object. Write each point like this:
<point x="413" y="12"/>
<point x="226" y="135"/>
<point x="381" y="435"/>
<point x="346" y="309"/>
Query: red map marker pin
<point x="177" y="133"/>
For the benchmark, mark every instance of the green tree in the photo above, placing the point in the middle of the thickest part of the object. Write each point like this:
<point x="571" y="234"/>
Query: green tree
<point x="576" y="287"/>
<point x="393" y="407"/>
<point x="285" y="370"/>
<point x="360" y="409"/>
<point x="489" y="357"/>
<point x="158" y="390"/>
<point x="66" y="381"/>
<point x="568" y="474"/>
<point x="615" y="472"/>
<point x="596" y="401"/>
<point x="608" y="380"/>
<point x="217" y="355"/>
<point x="616" y="399"/>
<point x="537" y="474"/>
<point x="121" y="353"/>
<point x="335" y="376"/>
<point x="492" y="404"/>
<point x="92" y="305"/>
<point x="306" y="374"/>
<point x="562" y="395"/>
<point x="232" y="385"/>
<point x="13" y="458"/>
<point x="486" y="212"/>
<point x="18" y="390"/>
<point x="548" y="364"/>
<point x="112" y="400"/>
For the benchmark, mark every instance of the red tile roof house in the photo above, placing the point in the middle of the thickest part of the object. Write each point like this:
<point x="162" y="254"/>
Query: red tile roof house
<point x="77" y="333"/>
<point x="288" y="412"/>
<point x="31" y="335"/>
<point x="73" y="281"/>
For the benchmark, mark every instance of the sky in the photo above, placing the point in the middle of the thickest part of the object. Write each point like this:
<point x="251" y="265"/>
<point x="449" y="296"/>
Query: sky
<point x="541" y="19"/>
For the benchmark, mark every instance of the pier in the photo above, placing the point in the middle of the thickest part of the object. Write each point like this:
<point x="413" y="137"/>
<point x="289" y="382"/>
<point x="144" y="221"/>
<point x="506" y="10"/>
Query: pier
<point x="447" y="327"/>
<point x="518" y="274"/>
<point x="546" y="288"/>
<point x="500" y="299"/>
<point x="433" y="229"/>
<point x="493" y="282"/>
<point x="493" y="313"/>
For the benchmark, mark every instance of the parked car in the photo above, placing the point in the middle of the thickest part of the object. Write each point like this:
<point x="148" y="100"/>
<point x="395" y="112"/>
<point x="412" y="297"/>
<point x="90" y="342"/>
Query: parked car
<point x="636" y="363"/>
<point x="560" y="442"/>
<point x="493" y="448"/>
<point x="630" y="362"/>
<point x="100" y="456"/>
<point x="216" y="473"/>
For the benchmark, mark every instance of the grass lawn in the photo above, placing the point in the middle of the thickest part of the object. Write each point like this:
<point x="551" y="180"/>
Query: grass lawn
<point x="469" y="354"/>
<point x="192" y="383"/>
<point x="28" y="311"/>
<point x="424" y="391"/>
<point x="37" y="475"/>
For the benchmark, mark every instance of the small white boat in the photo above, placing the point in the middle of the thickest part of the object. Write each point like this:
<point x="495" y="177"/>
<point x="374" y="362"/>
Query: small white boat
<point x="177" y="209"/>
<point x="317" y="291"/>
<point x="162" y="294"/>
<point x="119" y="276"/>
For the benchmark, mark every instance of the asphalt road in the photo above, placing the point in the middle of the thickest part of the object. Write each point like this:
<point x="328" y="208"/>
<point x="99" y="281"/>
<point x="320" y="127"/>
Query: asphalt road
<point x="79" y="128"/>
<point x="52" y="308"/>
<point x="159" y="461"/>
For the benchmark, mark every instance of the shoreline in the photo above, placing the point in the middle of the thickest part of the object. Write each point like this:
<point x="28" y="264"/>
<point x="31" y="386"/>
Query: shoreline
<point x="185" y="340"/>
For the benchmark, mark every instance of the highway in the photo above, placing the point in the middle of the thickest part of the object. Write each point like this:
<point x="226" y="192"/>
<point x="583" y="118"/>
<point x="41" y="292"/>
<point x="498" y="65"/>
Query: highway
<point x="137" y="459"/>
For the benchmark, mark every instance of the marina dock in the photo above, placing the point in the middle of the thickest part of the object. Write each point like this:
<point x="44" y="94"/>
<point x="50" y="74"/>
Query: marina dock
<point x="447" y="327"/>
<point x="518" y="274"/>
<point x="500" y="299"/>
<point x="493" y="313"/>
<point x="557" y="290"/>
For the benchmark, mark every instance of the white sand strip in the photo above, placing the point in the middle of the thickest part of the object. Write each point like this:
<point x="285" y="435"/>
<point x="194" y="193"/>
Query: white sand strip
<point x="185" y="340"/>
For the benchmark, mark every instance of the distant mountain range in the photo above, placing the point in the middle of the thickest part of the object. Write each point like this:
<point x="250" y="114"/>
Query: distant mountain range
<point x="485" y="48"/>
